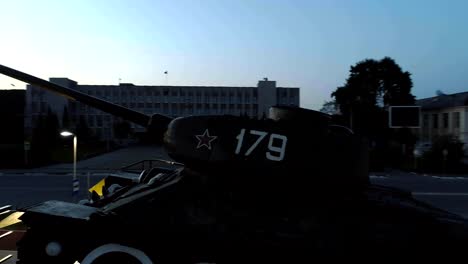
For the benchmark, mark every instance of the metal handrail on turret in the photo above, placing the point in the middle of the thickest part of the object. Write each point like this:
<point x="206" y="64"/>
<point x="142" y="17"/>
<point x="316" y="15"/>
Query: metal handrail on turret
<point x="147" y="165"/>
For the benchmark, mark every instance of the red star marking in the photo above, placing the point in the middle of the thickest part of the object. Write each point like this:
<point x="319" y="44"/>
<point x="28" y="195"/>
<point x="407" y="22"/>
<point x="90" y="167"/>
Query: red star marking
<point x="205" y="139"/>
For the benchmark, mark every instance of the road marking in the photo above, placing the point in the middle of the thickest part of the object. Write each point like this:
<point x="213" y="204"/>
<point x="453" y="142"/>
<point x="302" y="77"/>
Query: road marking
<point x="439" y="194"/>
<point x="6" y="234"/>
<point x="6" y="258"/>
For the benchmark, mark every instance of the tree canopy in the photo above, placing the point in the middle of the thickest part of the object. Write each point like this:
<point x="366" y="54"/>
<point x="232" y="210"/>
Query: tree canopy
<point x="371" y="87"/>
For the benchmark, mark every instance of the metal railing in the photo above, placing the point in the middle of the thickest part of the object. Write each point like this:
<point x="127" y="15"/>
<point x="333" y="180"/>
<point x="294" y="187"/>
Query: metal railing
<point x="147" y="165"/>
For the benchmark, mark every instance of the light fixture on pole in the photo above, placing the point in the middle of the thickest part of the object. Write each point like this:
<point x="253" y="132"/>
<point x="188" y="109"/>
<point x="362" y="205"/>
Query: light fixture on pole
<point x="76" y="187"/>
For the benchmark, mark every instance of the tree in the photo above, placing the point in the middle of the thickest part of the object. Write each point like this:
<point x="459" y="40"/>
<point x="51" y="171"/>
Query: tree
<point x="435" y="159"/>
<point x="45" y="138"/>
<point x="122" y="129"/>
<point x="371" y="87"/>
<point x="83" y="131"/>
<point x="329" y="107"/>
<point x="65" y="118"/>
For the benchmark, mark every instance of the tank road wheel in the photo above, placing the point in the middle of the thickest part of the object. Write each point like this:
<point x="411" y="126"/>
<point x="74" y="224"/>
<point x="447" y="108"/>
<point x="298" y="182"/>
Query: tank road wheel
<point x="41" y="247"/>
<point x="115" y="253"/>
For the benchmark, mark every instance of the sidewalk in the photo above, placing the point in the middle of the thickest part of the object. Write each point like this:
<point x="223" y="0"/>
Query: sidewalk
<point x="390" y="173"/>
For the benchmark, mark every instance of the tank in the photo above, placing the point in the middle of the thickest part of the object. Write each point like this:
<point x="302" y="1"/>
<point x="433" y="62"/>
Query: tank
<point x="293" y="187"/>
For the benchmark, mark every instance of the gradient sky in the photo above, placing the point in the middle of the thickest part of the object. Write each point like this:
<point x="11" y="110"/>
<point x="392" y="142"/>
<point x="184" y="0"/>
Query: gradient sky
<point x="308" y="44"/>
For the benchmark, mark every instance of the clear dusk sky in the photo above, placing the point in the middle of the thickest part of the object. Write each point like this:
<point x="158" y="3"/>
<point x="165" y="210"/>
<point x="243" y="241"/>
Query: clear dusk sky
<point x="299" y="43"/>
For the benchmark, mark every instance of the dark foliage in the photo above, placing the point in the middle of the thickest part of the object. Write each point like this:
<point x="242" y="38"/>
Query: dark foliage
<point x="373" y="86"/>
<point x="435" y="161"/>
<point x="45" y="139"/>
<point x="122" y="129"/>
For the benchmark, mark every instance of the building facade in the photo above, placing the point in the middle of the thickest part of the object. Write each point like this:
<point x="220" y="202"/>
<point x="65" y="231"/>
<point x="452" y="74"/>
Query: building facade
<point x="445" y="114"/>
<point x="172" y="101"/>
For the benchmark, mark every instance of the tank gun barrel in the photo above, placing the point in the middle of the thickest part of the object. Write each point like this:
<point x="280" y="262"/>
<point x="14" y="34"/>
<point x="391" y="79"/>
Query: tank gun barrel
<point x="108" y="107"/>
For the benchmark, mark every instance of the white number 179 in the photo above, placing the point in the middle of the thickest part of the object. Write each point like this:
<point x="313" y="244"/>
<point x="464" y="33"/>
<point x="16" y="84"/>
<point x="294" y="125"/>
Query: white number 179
<point x="275" y="153"/>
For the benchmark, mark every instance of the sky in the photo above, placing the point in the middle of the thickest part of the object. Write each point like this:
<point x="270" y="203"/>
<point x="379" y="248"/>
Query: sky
<point x="298" y="43"/>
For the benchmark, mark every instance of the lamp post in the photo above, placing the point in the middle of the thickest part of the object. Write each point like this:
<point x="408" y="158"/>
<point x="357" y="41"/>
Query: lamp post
<point x="75" y="140"/>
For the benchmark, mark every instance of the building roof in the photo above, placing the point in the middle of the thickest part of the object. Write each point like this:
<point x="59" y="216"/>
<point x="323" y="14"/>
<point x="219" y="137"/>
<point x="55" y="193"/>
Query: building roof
<point x="443" y="101"/>
<point x="175" y="86"/>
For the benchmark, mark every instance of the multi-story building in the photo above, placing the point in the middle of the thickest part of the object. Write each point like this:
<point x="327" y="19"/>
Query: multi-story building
<point x="445" y="114"/>
<point x="168" y="100"/>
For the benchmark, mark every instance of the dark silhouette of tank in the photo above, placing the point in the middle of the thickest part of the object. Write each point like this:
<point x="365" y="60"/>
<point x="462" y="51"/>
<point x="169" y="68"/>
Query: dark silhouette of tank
<point x="290" y="188"/>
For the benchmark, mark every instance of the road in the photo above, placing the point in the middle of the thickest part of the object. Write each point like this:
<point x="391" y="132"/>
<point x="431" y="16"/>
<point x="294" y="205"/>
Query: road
<point x="24" y="190"/>
<point x="450" y="193"/>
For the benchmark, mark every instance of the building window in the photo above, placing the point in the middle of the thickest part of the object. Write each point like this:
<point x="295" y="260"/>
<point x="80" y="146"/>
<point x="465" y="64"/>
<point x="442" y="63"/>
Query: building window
<point x="435" y="121"/>
<point x="456" y="119"/>
<point x="35" y="107"/>
<point x="445" y="119"/>
<point x="425" y="120"/>
<point x="98" y="132"/>
<point x="43" y="107"/>
<point x="90" y="120"/>
<point x="99" y="121"/>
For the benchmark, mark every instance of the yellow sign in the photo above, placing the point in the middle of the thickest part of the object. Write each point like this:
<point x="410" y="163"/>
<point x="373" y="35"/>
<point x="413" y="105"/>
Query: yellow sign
<point x="98" y="187"/>
<point x="11" y="219"/>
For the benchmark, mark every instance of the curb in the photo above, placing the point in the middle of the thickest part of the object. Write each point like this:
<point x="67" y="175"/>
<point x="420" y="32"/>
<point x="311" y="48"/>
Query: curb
<point x="448" y="177"/>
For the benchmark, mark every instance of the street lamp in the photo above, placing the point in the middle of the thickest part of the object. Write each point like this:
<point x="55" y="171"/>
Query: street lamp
<point x="68" y="134"/>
